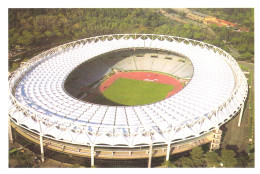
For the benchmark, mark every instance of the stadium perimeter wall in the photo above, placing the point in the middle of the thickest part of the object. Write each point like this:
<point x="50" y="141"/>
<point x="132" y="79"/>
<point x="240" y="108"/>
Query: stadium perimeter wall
<point x="114" y="153"/>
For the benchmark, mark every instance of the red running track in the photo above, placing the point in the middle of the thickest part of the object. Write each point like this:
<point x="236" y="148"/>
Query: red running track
<point x="145" y="76"/>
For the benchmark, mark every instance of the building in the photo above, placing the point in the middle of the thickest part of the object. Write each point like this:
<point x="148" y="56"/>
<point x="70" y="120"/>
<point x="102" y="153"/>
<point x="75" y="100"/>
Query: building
<point x="196" y="16"/>
<point x="219" y="22"/>
<point x="40" y="109"/>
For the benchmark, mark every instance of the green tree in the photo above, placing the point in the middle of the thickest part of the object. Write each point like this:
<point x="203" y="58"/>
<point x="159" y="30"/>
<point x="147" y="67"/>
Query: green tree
<point x="199" y="36"/>
<point x="184" y="162"/>
<point x="14" y="38"/>
<point x="32" y="27"/>
<point x="38" y="36"/>
<point x="26" y="39"/>
<point x="242" y="159"/>
<point x="227" y="158"/>
<point x="250" y="48"/>
<point x="58" y="33"/>
<point x="167" y="164"/>
<point x="48" y="34"/>
<point x="235" y="40"/>
<point x="182" y="14"/>
<point x="197" y="156"/>
<point x="76" y="165"/>
<point x="23" y="160"/>
<point x="186" y="26"/>
<point x="251" y="162"/>
<point x="247" y="55"/>
<point x="242" y="48"/>
<point x="223" y="33"/>
<point x="211" y="159"/>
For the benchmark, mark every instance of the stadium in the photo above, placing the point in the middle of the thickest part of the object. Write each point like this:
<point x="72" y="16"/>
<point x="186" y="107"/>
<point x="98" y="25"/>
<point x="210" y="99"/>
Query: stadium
<point x="61" y="99"/>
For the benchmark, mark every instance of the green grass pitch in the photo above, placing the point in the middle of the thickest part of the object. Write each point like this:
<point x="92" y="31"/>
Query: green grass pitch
<point x="136" y="92"/>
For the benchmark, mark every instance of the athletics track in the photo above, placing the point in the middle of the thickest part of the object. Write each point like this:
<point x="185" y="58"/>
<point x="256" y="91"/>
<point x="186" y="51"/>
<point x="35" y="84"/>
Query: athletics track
<point x="145" y="76"/>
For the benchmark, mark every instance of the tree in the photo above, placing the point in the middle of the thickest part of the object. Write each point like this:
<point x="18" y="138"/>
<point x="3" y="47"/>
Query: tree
<point x="184" y="162"/>
<point x="32" y="27"/>
<point x="76" y="165"/>
<point x="235" y="40"/>
<point x="227" y="158"/>
<point x="242" y="48"/>
<point x="247" y="55"/>
<point x="199" y="36"/>
<point x="251" y="162"/>
<point x="182" y="14"/>
<point x="242" y="159"/>
<point x="186" y="26"/>
<point x="250" y="48"/>
<point x="26" y="39"/>
<point x="58" y="33"/>
<point x="197" y="156"/>
<point x="211" y="159"/>
<point x="223" y="33"/>
<point x="13" y="39"/>
<point x="38" y="36"/>
<point x="167" y="164"/>
<point x="48" y="34"/>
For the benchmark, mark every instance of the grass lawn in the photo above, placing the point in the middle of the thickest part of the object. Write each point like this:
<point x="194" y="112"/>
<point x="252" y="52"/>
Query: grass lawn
<point x="136" y="92"/>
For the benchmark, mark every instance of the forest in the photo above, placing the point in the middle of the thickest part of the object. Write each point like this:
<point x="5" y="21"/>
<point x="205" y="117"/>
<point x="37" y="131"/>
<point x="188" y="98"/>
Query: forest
<point x="34" y="30"/>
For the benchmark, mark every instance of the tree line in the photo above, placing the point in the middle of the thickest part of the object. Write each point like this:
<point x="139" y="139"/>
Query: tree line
<point x="198" y="157"/>
<point x="28" y="27"/>
<point x="31" y="28"/>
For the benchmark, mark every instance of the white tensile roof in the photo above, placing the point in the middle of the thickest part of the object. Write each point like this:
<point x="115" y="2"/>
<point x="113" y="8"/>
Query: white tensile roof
<point x="216" y="91"/>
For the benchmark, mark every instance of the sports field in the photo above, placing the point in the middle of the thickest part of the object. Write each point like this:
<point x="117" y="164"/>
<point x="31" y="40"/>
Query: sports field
<point x="136" y="92"/>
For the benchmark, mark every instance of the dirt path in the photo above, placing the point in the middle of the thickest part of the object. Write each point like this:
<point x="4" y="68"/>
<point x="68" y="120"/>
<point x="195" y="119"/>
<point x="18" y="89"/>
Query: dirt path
<point x="173" y="17"/>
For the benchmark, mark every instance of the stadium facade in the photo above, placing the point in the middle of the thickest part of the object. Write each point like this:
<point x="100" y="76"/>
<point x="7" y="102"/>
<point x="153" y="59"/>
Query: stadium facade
<point x="42" y="110"/>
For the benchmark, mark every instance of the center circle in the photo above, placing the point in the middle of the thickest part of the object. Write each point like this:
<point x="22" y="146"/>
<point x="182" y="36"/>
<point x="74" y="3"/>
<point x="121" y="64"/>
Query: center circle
<point x="130" y="77"/>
